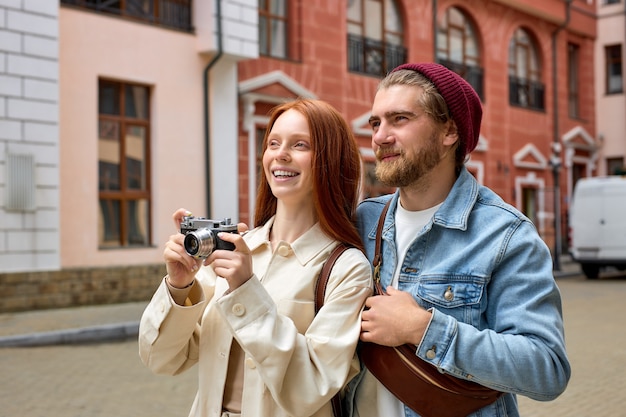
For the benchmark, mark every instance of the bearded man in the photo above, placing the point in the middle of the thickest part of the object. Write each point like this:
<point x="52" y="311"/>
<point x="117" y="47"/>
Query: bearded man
<point x="468" y="279"/>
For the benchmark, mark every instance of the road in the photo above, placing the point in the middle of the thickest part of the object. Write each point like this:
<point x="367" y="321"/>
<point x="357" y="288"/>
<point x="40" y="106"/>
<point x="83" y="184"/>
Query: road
<point x="109" y="380"/>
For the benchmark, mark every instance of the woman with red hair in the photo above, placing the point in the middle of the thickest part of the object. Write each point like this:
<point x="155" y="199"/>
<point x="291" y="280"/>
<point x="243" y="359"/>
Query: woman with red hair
<point x="247" y="316"/>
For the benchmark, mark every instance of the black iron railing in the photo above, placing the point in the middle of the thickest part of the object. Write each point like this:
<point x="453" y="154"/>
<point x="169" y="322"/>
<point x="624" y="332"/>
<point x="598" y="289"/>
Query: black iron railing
<point x="373" y="57"/>
<point x="526" y="93"/>
<point x="174" y="14"/>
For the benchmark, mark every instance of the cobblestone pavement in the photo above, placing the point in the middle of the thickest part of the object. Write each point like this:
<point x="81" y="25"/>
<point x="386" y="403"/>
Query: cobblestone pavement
<point x="596" y="342"/>
<point x="109" y="380"/>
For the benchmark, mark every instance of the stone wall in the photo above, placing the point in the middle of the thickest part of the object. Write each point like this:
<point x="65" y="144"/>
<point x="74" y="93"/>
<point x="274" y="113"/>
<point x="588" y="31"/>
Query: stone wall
<point x="26" y="291"/>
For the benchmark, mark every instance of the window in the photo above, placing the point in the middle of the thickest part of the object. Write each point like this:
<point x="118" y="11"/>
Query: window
<point x="529" y="203"/>
<point x="525" y="86"/>
<point x="275" y="39"/>
<point x="605" y="2"/>
<point x="573" y="53"/>
<point x="615" y="166"/>
<point x="170" y="13"/>
<point x="375" y="37"/>
<point x="457" y="47"/>
<point x="123" y="164"/>
<point x="614" y="84"/>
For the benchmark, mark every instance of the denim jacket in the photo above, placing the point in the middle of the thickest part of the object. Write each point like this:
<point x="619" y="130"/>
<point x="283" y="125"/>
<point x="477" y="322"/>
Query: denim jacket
<point x="503" y="326"/>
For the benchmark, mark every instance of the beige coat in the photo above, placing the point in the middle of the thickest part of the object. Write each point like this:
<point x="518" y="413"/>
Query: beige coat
<point x="295" y="361"/>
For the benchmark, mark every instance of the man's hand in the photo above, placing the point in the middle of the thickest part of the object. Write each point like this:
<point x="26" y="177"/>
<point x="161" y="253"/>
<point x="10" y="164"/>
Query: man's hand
<point x="393" y="319"/>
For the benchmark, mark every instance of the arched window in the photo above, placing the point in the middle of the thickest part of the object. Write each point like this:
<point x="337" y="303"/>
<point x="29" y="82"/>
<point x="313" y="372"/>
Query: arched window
<point x="458" y="47"/>
<point x="375" y="36"/>
<point x="525" y="86"/>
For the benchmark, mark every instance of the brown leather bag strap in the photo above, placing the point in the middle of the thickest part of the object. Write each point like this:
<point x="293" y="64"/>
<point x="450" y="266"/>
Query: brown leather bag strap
<point x="378" y="258"/>
<point x="322" y="280"/>
<point x="320" y="291"/>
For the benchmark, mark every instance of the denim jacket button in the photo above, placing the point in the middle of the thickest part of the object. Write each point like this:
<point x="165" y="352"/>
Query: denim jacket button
<point x="431" y="354"/>
<point x="448" y="295"/>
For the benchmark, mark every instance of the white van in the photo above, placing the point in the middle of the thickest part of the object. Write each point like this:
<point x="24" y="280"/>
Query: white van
<point x="597" y="224"/>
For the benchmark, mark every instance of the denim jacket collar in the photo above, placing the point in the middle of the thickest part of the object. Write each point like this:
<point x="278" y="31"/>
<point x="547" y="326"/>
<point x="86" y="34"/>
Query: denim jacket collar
<point x="455" y="210"/>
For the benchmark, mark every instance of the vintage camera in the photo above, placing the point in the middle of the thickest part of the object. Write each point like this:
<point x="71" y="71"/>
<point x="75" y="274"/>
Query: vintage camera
<point x="201" y="235"/>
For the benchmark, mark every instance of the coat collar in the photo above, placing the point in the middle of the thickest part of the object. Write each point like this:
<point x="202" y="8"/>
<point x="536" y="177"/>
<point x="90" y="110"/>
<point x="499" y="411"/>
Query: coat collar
<point x="305" y="248"/>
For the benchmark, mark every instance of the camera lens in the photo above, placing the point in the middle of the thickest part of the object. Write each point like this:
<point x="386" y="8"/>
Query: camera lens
<point x="200" y="243"/>
<point x="191" y="245"/>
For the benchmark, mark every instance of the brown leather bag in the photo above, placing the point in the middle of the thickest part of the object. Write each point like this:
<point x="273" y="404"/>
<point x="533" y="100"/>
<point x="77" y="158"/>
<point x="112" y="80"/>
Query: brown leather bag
<point x="415" y="382"/>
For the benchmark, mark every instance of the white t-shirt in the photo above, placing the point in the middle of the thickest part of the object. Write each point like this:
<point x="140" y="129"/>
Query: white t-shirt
<point x="374" y="399"/>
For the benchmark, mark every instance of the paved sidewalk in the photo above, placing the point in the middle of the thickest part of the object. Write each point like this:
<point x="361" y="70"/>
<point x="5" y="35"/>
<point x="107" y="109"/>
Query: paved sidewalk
<point x="102" y="323"/>
<point x="55" y="373"/>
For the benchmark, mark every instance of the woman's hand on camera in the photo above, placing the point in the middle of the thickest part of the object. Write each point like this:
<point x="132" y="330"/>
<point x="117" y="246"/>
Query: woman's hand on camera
<point x="234" y="266"/>
<point x="179" y="215"/>
<point x="181" y="268"/>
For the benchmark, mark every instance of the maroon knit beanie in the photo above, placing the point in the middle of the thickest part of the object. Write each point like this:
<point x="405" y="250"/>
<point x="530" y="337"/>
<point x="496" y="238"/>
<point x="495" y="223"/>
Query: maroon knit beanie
<point x="463" y="102"/>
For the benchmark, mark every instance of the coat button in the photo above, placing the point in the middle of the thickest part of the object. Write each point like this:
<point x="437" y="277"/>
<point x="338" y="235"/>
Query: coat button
<point x="283" y="251"/>
<point x="238" y="309"/>
<point x="250" y="363"/>
<point x="448" y="295"/>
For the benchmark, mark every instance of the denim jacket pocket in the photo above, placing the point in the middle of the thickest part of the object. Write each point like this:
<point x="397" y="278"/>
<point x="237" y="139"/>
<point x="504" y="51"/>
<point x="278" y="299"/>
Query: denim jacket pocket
<point x="450" y="293"/>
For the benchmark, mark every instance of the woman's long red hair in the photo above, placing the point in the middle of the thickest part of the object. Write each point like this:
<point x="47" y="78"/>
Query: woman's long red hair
<point x="336" y="171"/>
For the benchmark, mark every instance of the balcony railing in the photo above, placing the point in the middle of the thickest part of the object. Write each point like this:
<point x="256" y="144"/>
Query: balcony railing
<point x="174" y="14"/>
<point x="526" y="93"/>
<point x="369" y="56"/>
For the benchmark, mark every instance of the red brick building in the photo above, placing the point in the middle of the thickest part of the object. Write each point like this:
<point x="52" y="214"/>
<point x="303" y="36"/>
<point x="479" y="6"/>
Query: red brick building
<point x="513" y="52"/>
<point x="115" y="114"/>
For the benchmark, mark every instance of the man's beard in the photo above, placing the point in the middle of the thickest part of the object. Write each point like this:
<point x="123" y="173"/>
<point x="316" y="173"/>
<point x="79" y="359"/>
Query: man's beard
<point x="404" y="171"/>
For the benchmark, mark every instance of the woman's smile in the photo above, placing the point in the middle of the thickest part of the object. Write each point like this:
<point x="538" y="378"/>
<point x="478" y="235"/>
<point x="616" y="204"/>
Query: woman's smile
<point x="283" y="174"/>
